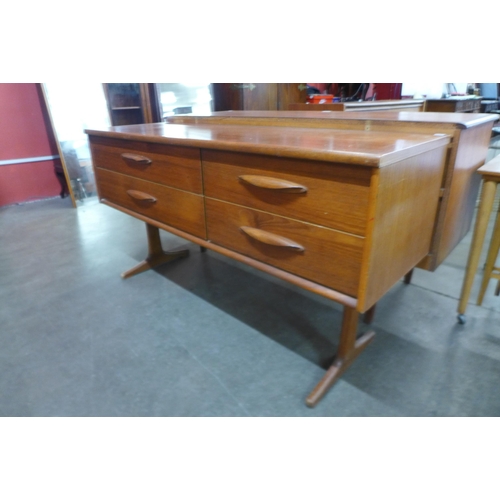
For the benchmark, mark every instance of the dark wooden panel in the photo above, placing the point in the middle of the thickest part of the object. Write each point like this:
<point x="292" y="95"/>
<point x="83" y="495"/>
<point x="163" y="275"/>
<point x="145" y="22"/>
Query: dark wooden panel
<point x="257" y="96"/>
<point x="289" y="93"/>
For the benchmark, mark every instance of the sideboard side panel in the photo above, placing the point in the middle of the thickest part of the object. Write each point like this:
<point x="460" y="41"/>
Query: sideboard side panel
<point x="464" y="189"/>
<point x="401" y="221"/>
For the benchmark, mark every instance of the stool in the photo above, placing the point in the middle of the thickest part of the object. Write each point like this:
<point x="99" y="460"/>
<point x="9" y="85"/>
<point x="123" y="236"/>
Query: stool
<point x="494" y="143"/>
<point x="490" y="271"/>
<point x="490" y="173"/>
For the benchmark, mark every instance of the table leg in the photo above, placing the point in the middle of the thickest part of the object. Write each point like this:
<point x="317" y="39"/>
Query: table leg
<point x="490" y="259"/>
<point x="485" y="206"/>
<point x="408" y="276"/>
<point x="349" y="349"/>
<point x="369" y="315"/>
<point x="156" y="255"/>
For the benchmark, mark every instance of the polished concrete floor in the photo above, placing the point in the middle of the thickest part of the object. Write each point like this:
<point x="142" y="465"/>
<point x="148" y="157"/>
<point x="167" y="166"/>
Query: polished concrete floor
<point x="206" y="336"/>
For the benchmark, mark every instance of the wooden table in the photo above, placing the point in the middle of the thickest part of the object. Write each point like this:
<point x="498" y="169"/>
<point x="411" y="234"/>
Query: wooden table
<point x="491" y="178"/>
<point x="332" y="211"/>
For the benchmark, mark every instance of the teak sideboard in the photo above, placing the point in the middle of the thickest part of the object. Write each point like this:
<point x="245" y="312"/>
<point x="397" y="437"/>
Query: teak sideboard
<point x="470" y="136"/>
<point x="340" y="212"/>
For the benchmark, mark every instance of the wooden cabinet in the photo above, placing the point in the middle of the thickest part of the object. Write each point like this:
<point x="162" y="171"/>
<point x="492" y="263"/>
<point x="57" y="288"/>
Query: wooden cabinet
<point x="411" y="105"/>
<point x="331" y="211"/>
<point x="131" y="103"/>
<point x="291" y="92"/>
<point x="460" y="185"/>
<point x="457" y="105"/>
<point x="257" y="96"/>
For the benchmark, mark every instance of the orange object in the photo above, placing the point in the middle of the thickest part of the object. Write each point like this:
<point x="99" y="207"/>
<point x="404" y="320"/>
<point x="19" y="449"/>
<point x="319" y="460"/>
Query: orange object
<point x="320" y="98"/>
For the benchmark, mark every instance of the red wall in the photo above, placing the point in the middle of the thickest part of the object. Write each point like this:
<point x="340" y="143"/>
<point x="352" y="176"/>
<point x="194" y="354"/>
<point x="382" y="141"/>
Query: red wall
<point x="25" y="132"/>
<point x="388" y="91"/>
<point x="383" y="91"/>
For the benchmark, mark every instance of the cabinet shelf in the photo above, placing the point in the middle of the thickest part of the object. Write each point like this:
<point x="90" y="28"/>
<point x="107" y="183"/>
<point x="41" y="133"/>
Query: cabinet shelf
<point x="125" y="108"/>
<point x="129" y="103"/>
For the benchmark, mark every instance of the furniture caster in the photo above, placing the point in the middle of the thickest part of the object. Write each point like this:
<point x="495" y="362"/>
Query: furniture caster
<point x="461" y="319"/>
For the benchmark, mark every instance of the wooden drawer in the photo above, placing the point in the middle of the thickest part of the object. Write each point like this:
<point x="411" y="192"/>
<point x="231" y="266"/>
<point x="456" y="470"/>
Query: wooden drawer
<point x="328" y="257"/>
<point x="334" y="196"/>
<point x="173" y="166"/>
<point x="180" y="209"/>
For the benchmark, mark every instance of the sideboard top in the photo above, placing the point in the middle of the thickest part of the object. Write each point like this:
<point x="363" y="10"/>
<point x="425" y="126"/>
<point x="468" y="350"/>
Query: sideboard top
<point x="357" y="147"/>
<point x="458" y="120"/>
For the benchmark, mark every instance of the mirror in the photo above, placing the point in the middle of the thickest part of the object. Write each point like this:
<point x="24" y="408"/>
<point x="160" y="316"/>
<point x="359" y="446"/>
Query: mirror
<point x="182" y="98"/>
<point x="73" y="107"/>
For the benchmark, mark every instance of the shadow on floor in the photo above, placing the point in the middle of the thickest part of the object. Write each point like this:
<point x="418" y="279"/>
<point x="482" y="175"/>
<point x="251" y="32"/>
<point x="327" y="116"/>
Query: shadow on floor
<point x="274" y="309"/>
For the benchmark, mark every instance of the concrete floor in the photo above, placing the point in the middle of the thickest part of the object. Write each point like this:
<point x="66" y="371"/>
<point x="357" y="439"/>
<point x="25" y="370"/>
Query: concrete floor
<point x="206" y="336"/>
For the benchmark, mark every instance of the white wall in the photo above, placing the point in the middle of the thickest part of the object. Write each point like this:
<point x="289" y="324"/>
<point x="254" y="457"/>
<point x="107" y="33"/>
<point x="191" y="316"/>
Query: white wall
<point x="430" y="90"/>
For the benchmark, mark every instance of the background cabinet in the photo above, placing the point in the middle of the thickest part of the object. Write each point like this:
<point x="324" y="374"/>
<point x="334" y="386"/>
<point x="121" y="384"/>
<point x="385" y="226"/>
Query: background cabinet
<point x="257" y="96"/>
<point x="458" y="105"/>
<point x="130" y="103"/>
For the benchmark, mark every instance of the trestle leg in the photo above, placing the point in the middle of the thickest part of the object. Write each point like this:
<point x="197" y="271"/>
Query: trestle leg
<point x="156" y="256"/>
<point x="349" y="349"/>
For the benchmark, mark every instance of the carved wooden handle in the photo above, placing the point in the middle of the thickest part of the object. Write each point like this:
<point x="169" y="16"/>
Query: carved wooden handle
<point x="271" y="239"/>
<point x="139" y="195"/>
<point x="273" y="183"/>
<point x="136" y="159"/>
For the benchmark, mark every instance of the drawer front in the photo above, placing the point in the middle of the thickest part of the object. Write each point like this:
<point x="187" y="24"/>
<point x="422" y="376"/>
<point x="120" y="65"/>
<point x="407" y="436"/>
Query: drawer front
<point x="330" y="195"/>
<point x="330" y="258"/>
<point x="173" y="166"/>
<point x="180" y="209"/>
